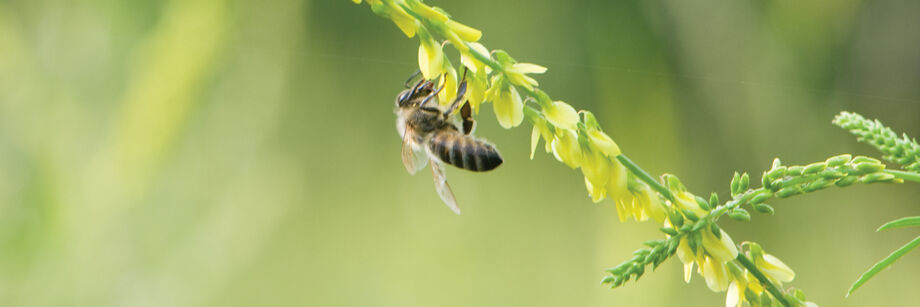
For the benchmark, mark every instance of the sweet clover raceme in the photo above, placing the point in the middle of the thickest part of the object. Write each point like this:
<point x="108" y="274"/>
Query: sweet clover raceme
<point x="688" y="222"/>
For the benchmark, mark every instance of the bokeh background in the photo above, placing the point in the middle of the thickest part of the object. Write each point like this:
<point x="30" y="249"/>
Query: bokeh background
<point x="243" y="153"/>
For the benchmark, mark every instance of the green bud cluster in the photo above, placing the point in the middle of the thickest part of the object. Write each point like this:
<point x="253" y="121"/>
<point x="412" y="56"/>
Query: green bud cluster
<point x="656" y="252"/>
<point x="901" y="150"/>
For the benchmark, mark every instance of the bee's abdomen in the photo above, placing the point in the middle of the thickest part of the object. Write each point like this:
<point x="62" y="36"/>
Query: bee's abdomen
<point x="465" y="152"/>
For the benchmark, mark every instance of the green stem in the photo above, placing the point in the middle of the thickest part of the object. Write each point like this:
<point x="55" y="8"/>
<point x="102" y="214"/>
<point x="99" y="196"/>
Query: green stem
<point x="644" y="176"/>
<point x="762" y="278"/>
<point x="909" y="176"/>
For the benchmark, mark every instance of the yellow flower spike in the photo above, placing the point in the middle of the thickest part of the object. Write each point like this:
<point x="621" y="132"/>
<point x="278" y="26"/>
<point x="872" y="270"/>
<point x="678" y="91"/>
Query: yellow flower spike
<point x="715" y="274"/>
<point x="596" y="169"/>
<point x="508" y="107"/>
<point x="722" y="249"/>
<point x="686" y="200"/>
<point x="775" y="268"/>
<point x="449" y="82"/>
<point x="560" y="114"/>
<point x="465" y="32"/>
<point x="430" y="58"/>
<point x="566" y="148"/>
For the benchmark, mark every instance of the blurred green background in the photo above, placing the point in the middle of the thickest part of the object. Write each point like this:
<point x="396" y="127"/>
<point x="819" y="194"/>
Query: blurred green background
<point x="243" y="153"/>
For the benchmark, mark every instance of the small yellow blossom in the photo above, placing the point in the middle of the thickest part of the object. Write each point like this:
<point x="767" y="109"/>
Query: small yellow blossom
<point x="449" y="84"/>
<point x="465" y="32"/>
<point x="715" y="273"/>
<point x="566" y="148"/>
<point x="617" y="187"/>
<point x="735" y="294"/>
<point x="722" y="249"/>
<point x="517" y="74"/>
<point x="427" y="11"/>
<point x="406" y="23"/>
<point x="540" y="129"/>
<point x="688" y="256"/>
<point x="560" y="114"/>
<point x="596" y="169"/>
<point x="686" y="200"/>
<point x="774" y="268"/>
<point x="507" y="104"/>
<point x="430" y="57"/>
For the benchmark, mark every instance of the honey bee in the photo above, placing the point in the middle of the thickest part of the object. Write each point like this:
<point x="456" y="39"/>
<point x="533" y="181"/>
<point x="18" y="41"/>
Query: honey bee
<point x="432" y="136"/>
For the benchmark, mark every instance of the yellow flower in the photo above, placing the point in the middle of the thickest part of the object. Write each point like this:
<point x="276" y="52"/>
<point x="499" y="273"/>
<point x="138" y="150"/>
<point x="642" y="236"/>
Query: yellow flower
<point x="617" y="186"/>
<point x="560" y="114"/>
<point x="403" y="20"/>
<point x="735" y="295"/>
<point x="463" y="31"/>
<point x="540" y="129"/>
<point x="449" y="82"/>
<point x="477" y="80"/>
<point x="566" y="148"/>
<point x="507" y="104"/>
<point x="722" y="249"/>
<point x="686" y="200"/>
<point x="774" y="268"/>
<point x="596" y="169"/>
<point x="604" y="142"/>
<point x="648" y="202"/>
<point x="687" y="256"/>
<point x="715" y="273"/>
<point x="427" y="11"/>
<point x="430" y="56"/>
<point x="517" y="74"/>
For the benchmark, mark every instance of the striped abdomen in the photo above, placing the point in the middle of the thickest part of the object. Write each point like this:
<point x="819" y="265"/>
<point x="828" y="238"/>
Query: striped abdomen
<point x="465" y="151"/>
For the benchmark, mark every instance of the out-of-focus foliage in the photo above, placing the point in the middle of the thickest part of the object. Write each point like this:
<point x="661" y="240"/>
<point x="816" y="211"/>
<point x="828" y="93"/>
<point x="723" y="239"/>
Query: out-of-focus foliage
<point x="192" y="153"/>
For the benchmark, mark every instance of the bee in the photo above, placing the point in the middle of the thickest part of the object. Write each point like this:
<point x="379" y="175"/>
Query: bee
<point x="432" y="136"/>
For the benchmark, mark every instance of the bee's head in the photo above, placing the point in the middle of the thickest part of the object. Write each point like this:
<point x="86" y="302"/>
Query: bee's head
<point x="404" y="97"/>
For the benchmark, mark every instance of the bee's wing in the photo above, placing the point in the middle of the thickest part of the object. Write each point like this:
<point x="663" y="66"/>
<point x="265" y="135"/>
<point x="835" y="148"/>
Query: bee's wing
<point x="412" y="158"/>
<point x="440" y="184"/>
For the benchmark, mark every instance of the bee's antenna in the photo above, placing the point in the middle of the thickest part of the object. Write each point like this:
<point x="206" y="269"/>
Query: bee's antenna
<point x="415" y="74"/>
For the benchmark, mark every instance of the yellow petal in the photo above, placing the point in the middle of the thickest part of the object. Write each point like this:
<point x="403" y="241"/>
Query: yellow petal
<point x="566" y="149"/>
<point x="449" y="82"/>
<point x="509" y="109"/>
<point x="465" y="32"/>
<point x="430" y="60"/>
<point x="616" y="186"/>
<point x="527" y="68"/>
<point x="561" y="114"/>
<point x="603" y="142"/>
<point x="476" y="92"/>
<point x="722" y="249"/>
<point x="715" y="274"/>
<point x="687" y="201"/>
<point x="356" y="1"/>
<point x="404" y="21"/>
<point x="734" y="295"/>
<point x="775" y="268"/>
<point x="428" y="11"/>
<point x="688" y="271"/>
<point x="596" y="169"/>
